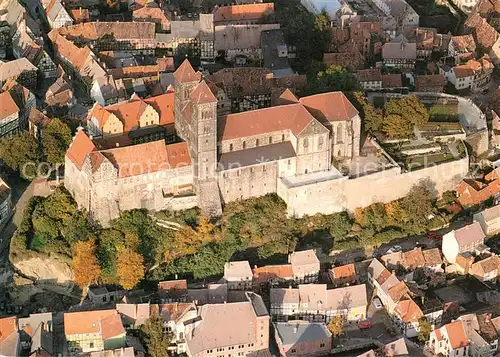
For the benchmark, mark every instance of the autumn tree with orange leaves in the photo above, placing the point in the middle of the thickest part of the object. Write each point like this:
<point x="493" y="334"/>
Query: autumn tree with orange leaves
<point x="130" y="268"/>
<point x="85" y="264"/>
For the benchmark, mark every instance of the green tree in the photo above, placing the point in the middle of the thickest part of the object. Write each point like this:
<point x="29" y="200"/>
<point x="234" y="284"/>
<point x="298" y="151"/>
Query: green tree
<point x="406" y="113"/>
<point x="424" y="330"/>
<point x="341" y="225"/>
<point x="21" y="154"/>
<point x="153" y="338"/>
<point x="396" y="127"/>
<point x="332" y="78"/>
<point x="55" y="141"/>
<point x="373" y="118"/>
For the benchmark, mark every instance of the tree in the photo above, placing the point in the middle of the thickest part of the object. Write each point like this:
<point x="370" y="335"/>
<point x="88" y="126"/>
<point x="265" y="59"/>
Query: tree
<point x="55" y="141"/>
<point x="374" y="118"/>
<point x="130" y="268"/>
<point x="333" y="78"/>
<point x="341" y="225"/>
<point x="424" y="330"/>
<point x="153" y="338"/>
<point x="336" y="325"/>
<point x="21" y="154"/>
<point x="395" y="126"/>
<point x="85" y="265"/>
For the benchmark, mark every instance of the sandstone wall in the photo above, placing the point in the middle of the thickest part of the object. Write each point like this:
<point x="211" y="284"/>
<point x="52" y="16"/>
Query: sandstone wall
<point x="347" y="194"/>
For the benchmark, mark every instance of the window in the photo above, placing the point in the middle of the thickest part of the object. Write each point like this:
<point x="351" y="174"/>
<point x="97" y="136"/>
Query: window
<point x="230" y="147"/>
<point x="294" y="350"/>
<point x="257" y="142"/>
<point x="321" y="345"/>
<point x="282" y="137"/>
<point x="306" y="143"/>
<point x="270" y="140"/>
<point x="320" y="142"/>
<point x="91" y="345"/>
<point x="340" y="133"/>
<point x="244" y="144"/>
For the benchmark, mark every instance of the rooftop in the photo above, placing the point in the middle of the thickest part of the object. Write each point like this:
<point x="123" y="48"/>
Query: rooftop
<point x="291" y="333"/>
<point x="246" y="12"/>
<point x="237" y="270"/>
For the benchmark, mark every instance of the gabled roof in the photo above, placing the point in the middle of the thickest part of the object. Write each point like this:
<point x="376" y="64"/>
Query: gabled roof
<point x="120" y="30"/>
<point x="244" y="12"/>
<point x="344" y="271"/>
<point x="468" y="234"/>
<point x="456" y="334"/>
<point x="287" y="97"/>
<point x="80" y="148"/>
<point x="332" y="106"/>
<point x="432" y="257"/>
<point x="369" y="75"/>
<point x="15" y="68"/>
<point x="293" y="117"/>
<point x="7" y="105"/>
<point x="269" y="272"/>
<point x="464" y="43"/>
<point x="105" y="322"/>
<point x="186" y="73"/>
<point x="237" y="270"/>
<point x="429" y="81"/>
<point x="408" y="311"/>
<point x="202" y="94"/>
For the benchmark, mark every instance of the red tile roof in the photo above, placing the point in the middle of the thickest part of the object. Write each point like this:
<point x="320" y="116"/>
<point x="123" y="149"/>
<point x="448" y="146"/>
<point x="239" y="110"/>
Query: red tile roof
<point x="172" y="285"/>
<point x="7" y="105"/>
<point x="80" y="148"/>
<point x="246" y="12"/>
<point x="456" y="334"/>
<point x="106" y="322"/>
<point x="265" y="273"/>
<point x="429" y="82"/>
<point x="408" y="311"/>
<point x="7" y="328"/>
<point x="333" y="106"/>
<point x="267" y="120"/>
<point x="186" y="73"/>
<point x="202" y="94"/>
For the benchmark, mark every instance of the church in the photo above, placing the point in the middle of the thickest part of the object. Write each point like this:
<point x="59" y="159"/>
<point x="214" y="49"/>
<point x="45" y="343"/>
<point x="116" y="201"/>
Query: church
<point x="174" y="151"/>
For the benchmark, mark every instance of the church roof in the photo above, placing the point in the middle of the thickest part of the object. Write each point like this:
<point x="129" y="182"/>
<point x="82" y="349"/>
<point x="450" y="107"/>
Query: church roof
<point x="202" y="94"/>
<point x="186" y="73"/>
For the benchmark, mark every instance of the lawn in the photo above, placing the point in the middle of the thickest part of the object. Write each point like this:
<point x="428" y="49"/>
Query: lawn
<point x="444" y="113"/>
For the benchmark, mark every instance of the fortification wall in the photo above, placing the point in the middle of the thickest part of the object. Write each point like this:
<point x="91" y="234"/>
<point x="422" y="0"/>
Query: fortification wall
<point x="337" y="195"/>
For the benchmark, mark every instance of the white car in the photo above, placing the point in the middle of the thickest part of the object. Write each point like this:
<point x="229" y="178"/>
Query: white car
<point x="377" y="303"/>
<point x="394" y="249"/>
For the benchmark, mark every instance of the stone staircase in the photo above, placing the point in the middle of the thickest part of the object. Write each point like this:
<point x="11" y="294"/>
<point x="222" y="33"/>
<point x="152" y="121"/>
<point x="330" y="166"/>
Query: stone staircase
<point x="209" y="198"/>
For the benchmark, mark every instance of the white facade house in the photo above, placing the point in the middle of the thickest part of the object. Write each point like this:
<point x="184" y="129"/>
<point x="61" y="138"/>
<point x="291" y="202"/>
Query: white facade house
<point x="465" y="239"/>
<point x="461" y="77"/>
<point x="238" y="275"/>
<point x="305" y="265"/>
<point x="489" y="219"/>
<point x="5" y="203"/>
<point x="449" y="340"/>
<point x="57" y="15"/>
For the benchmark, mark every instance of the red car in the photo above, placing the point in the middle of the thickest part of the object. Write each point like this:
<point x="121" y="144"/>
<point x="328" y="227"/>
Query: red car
<point x="434" y="235"/>
<point x="364" y="324"/>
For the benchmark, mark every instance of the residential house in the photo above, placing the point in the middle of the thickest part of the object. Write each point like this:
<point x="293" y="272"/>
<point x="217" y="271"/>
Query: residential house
<point x="461" y="240"/>
<point x="449" y="340"/>
<point x="489" y="219"/>
<point x="21" y="70"/>
<point x="305" y="265"/>
<point x="9" y="115"/>
<point x="89" y="331"/>
<point x="248" y="88"/>
<point x="399" y="15"/>
<point x="152" y="14"/>
<point x="275" y="53"/>
<point x="133" y="316"/>
<point x="214" y="294"/>
<point x="36" y="334"/>
<point x="342" y="275"/>
<point x="60" y="93"/>
<point x="400" y="54"/>
<point x="9" y="337"/>
<point x="430" y="83"/>
<point x="103" y="295"/>
<point x="463" y="263"/>
<point x="486" y="36"/>
<point x="57" y="15"/>
<point x="370" y="78"/>
<point x="367" y="36"/>
<point x="396" y="297"/>
<point x="313" y="302"/>
<point x="173" y="290"/>
<point x="272" y="273"/>
<point x="24" y="99"/>
<point x="349" y="58"/>
<point x="80" y="62"/>
<point x="37" y="122"/>
<point x="104" y="91"/>
<point x="462" y="48"/>
<point x="5" y="202"/>
<point x="238" y="328"/>
<point x="426" y="40"/>
<point x="433" y="260"/>
<point x="300" y="338"/>
<point x="238" y="275"/>
<point x="391" y="81"/>
<point x="80" y="15"/>
<point x="240" y="43"/>
<point x="396" y="348"/>
<point x="137" y="37"/>
<point x="196" y="34"/>
<point x="486" y="269"/>
<point x="474" y="192"/>
<point x="474" y="75"/>
<point x="244" y="14"/>
<point x="482" y="333"/>
<point x="429" y="260"/>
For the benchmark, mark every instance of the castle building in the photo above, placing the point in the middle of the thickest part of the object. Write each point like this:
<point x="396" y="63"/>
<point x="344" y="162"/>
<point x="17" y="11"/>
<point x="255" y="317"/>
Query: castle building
<point x="174" y="151"/>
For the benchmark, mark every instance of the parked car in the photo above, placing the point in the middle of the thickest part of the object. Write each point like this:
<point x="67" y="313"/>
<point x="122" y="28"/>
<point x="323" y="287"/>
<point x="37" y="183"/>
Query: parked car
<point x="434" y="235"/>
<point x="395" y="249"/>
<point x="377" y="303"/>
<point x="364" y="324"/>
